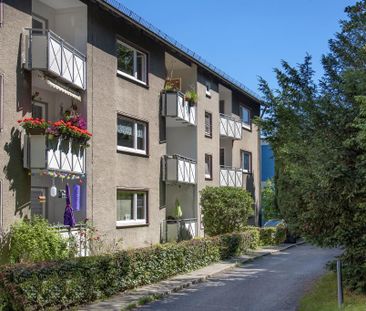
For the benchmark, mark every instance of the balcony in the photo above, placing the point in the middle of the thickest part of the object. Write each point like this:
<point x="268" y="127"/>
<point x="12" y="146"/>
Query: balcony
<point x="180" y="169"/>
<point x="48" y="52"/>
<point x="231" y="177"/>
<point x="59" y="155"/>
<point x="178" y="230"/>
<point x="175" y="106"/>
<point x="230" y="127"/>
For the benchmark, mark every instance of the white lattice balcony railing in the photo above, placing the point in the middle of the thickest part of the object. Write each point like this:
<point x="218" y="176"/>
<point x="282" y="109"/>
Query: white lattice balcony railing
<point x="55" y="155"/>
<point x="175" y="106"/>
<point x="48" y="52"/>
<point x="230" y="127"/>
<point x="178" y="230"/>
<point x="231" y="177"/>
<point x="180" y="169"/>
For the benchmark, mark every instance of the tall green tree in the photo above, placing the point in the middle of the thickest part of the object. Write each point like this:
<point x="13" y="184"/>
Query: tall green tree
<point x="318" y="135"/>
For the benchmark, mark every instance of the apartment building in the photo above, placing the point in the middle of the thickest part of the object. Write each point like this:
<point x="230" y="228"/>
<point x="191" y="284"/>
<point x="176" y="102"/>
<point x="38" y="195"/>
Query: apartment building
<point x="151" y="148"/>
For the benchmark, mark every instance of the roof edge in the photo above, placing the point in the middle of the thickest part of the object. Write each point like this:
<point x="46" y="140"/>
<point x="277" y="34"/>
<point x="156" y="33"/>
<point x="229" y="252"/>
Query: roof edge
<point x="180" y="48"/>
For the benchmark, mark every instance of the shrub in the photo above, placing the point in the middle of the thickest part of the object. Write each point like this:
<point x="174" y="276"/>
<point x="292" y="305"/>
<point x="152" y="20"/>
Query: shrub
<point x="34" y="240"/>
<point x="268" y="236"/>
<point x="66" y="283"/>
<point x="280" y="235"/>
<point x="225" y="209"/>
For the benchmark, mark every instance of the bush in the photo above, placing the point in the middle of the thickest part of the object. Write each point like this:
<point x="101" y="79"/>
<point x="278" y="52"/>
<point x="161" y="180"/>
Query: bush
<point x="66" y="283"/>
<point x="268" y="236"/>
<point x="225" y="209"/>
<point x="34" y="240"/>
<point x="281" y="232"/>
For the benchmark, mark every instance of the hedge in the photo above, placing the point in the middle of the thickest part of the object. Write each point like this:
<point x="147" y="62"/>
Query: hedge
<point x="67" y="283"/>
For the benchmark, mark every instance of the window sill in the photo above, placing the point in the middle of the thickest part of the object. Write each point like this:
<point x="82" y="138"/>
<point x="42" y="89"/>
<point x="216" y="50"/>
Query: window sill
<point x="208" y="135"/>
<point x="132" y="78"/>
<point x="246" y="126"/>
<point x="132" y="151"/>
<point x="208" y="94"/>
<point x="208" y="177"/>
<point x="130" y="224"/>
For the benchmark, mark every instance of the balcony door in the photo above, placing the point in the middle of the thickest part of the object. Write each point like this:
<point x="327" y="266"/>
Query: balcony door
<point x="39" y="110"/>
<point x="38" y="201"/>
<point x="40" y="23"/>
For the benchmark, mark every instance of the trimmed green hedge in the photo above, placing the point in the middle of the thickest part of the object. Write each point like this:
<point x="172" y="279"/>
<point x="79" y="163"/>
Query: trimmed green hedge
<point x="67" y="283"/>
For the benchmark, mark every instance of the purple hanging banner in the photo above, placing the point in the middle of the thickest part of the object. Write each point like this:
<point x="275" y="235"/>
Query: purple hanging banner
<point x="76" y="197"/>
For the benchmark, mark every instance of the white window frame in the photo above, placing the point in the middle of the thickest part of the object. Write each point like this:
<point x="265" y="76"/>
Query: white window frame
<point x="247" y="126"/>
<point x="134" y="76"/>
<point x="250" y="161"/>
<point x="133" y="222"/>
<point x="135" y="124"/>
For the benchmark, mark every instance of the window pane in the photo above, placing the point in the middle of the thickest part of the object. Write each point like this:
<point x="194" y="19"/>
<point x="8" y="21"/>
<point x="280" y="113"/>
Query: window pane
<point x="141" y="136"/>
<point x="37" y="111"/>
<point x="246" y="161"/>
<point x="125" y="59"/>
<point x="125" y="133"/>
<point x="141" y="66"/>
<point x="208" y="127"/>
<point x="124" y="205"/>
<point x="140" y="206"/>
<point x="245" y="115"/>
<point x="208" y="164"/>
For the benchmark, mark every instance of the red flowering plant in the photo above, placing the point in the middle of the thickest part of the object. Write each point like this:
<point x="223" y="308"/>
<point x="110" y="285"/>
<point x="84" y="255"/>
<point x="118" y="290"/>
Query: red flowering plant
<point x="34" y="125"/>
<point x="67" y="130"/>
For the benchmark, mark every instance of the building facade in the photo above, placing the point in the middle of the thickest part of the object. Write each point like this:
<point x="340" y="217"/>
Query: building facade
<point x="153" y="149"/>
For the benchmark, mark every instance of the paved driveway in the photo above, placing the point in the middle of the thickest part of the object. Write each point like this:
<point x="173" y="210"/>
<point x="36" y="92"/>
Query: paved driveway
<point x="272" y="283"/>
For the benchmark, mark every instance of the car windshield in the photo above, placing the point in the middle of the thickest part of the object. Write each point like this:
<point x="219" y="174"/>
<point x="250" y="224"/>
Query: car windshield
<point x="272" y="223"/>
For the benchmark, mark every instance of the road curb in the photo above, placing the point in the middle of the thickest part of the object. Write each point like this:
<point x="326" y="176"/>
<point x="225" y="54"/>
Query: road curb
<point x="146" y="294"/>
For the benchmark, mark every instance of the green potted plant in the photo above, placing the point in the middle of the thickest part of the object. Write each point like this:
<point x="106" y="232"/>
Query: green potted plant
<point x="191" y="97"/>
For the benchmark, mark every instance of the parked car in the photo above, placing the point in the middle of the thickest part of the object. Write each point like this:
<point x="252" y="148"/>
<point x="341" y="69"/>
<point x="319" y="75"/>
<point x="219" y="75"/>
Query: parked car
<point x="290" y="238"/>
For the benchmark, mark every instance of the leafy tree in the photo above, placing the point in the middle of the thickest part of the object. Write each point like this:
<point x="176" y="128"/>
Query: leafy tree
<point x="270" y="210"/>
<point x="318" y="136"/>
<point x="225" y="209"/>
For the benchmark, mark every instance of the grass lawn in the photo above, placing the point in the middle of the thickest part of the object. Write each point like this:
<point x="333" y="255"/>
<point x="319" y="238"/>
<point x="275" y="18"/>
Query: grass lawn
<point x="323" y="297"/>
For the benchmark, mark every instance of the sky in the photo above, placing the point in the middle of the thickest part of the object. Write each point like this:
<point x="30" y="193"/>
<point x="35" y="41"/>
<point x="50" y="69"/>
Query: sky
<point x="248" y="38"/>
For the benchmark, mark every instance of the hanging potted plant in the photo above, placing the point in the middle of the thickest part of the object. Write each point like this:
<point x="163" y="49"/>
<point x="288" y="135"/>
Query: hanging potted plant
<point x="34" y="126"/>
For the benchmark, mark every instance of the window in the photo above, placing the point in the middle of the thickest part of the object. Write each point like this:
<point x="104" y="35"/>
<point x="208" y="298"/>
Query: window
<point x="222" y="156"/>
<point x="245" y="117"/>
<point x="39" y="110"/>
<point x="40" y="23"/>
<point x="208" y="166"/>
<point x="131" y="135"/>
<point x="208" y="89"/>
<point x="222" y="106"/>
<point x="1" y="101"/>
<point x="131" y="208"/>
<point x="246" y="161"/>
<point x="131" y="62"/>
<point x="1" y="13"/>
<point x="208" y="124"/>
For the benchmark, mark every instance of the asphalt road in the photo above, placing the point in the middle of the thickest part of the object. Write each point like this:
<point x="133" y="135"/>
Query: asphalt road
<point x="271" y="283"/>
